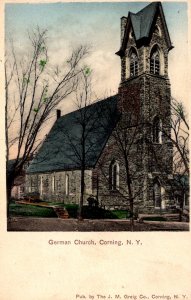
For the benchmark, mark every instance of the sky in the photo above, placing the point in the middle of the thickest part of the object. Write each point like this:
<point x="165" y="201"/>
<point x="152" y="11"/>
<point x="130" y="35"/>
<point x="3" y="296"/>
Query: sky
<point x="98" y="24"/>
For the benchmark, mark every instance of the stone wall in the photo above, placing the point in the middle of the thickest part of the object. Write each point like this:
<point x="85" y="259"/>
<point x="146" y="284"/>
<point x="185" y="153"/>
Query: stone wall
<point x="118" y="198"/>
<point x="59" y="186"/>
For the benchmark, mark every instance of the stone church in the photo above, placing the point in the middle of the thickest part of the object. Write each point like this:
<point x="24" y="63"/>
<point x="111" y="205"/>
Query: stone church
<point x="126" y="151"/>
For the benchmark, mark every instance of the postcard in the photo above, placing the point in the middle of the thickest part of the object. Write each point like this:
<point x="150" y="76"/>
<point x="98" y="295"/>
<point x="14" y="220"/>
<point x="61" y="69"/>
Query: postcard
<point x="95" y="150"/>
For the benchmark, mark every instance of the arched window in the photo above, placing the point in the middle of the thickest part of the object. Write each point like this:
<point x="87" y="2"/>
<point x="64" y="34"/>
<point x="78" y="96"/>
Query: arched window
<point x="41" y="185"/>
<point x="157" y="130"/>
<point x="133" y="63"/>
<point x="67" y="184"/>
<point x="155" y="62"/>
<point x="157" y="193"/>
<point x="53" y="183"/>
<point x="30" y="184"/>
<point x="114" y="176"/>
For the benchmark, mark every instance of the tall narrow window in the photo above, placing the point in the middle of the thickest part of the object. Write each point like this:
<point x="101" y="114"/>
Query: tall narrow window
<point x="53" y="184"/>
<point x="67" y="184"/>
<point x="157" y="194"/>
<point x="155" y="62"/>
<point x="114" y="176"/>
<point x="133" y="64"/>
<point x="41" y="185"/>
<point x="157" y="130"/>
<point x="30" y="184"/>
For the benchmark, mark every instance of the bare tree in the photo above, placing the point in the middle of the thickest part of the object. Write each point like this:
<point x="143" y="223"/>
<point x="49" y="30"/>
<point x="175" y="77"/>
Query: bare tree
<point x="81" y="142"/>
<point x="127" y="142"/>
<point x="33" y="89"/>
<point x="177" y="133"/>
<point x="180" y="137"/>
<point x="180" y="140"/>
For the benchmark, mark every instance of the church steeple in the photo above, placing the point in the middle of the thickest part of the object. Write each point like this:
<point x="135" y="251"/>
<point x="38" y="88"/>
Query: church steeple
<point x="145" y="96"/>
<point x="145" y="40"/>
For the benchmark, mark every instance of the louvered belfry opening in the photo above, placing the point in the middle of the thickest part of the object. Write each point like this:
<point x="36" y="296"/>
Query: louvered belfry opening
<point x="133" y="64"/>
<point x="155" y="62"/>
<point x="157" y="130"/>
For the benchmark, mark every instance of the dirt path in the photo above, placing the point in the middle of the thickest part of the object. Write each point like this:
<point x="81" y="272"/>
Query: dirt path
<point x="54" y="224"/>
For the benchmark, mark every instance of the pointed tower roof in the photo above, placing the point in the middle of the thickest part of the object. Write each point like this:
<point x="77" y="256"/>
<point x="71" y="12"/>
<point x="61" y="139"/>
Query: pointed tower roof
<point x="141" y="23"/>
<point x="143" y="20"/>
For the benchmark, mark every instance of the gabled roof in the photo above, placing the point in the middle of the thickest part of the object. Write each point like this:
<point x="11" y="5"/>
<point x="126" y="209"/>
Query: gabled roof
<point x="142" y="23"/>
<point x="142" y="20"/>
<point x="62" y="148"/>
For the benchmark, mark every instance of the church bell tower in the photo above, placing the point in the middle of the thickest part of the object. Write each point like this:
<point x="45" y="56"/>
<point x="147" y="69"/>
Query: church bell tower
<point x="145" y="88"/>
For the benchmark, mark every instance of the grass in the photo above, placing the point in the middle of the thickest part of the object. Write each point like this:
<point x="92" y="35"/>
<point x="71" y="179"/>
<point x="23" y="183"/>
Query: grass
<point x="120" y="214"/>
<point x="26" y="210"/>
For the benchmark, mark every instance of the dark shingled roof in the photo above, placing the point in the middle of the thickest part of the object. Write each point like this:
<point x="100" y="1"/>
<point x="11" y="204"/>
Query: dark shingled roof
<point x="62" y="148"/>
<point x="142" y="24"/>
<point x="142" y="21"/>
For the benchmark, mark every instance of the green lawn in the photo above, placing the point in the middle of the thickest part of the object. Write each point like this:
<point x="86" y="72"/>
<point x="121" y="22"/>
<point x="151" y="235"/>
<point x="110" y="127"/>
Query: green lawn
<point x="17" y="209"/>
<point x="26" y="210"/>
<point x="120" y="214"/>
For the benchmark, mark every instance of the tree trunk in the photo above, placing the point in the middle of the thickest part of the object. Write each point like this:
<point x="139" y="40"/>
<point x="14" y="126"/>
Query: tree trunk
<point x="132" y="212"/>
<point x="181" y="207"/>
<point x="8" y="199"/>
<point x="97" y="192"/>
<point x="9" y="184"/>
<point x="80" y="217"/>
<point x="128" y="181"/>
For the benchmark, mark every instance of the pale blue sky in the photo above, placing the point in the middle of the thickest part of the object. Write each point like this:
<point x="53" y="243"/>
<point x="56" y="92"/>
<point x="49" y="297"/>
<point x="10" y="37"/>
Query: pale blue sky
<point x="48" y="14"/>
<point x="19" y="17"/>
<point x="99" y="24"/>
